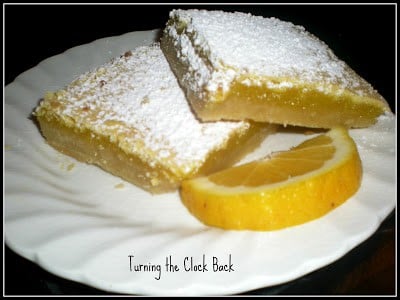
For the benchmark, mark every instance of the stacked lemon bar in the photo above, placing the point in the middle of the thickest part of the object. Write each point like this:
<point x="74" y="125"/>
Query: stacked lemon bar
<point x="211" y="93"/>
<point x="237" y="66"/>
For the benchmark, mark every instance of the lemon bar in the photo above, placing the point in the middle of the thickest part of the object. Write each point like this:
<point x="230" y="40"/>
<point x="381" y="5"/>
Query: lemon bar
<point x="130" y="117"/>
<point x="237" y="66"/>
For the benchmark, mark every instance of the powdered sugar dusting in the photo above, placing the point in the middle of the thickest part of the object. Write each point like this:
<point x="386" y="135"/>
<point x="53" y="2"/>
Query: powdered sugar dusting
<point x="242" y="43"/>
<point x="136" y="99"/>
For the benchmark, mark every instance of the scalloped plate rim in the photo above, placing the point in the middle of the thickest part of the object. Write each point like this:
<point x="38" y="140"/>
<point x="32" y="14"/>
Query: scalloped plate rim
<point x="259" y="281"/>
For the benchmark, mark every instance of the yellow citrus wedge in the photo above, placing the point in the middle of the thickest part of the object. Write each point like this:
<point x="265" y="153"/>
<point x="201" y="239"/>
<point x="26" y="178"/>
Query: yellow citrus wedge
<point x="285" y="189"/>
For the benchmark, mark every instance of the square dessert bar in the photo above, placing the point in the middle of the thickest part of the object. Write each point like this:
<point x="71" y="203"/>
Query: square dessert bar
<point x="131" y="118"/>
<point x="235" y="66"/>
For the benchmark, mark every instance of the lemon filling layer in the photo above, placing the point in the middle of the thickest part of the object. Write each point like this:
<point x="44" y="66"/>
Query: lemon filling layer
<point x="288" y="102"/>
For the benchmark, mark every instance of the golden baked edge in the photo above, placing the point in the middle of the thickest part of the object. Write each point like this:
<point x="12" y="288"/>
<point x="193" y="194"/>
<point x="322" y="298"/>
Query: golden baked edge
<point x="93" y="148"/>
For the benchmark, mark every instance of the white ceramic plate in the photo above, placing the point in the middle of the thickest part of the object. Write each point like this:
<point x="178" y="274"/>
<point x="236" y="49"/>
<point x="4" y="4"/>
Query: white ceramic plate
<point x="81" y="223"/>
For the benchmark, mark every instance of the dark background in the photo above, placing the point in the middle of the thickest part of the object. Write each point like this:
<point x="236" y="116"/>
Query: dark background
<point x="361" y="35"/>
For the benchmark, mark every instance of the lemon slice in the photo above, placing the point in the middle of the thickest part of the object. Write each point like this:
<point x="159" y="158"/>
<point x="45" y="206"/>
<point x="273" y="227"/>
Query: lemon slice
<point x="282" y="190"/>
